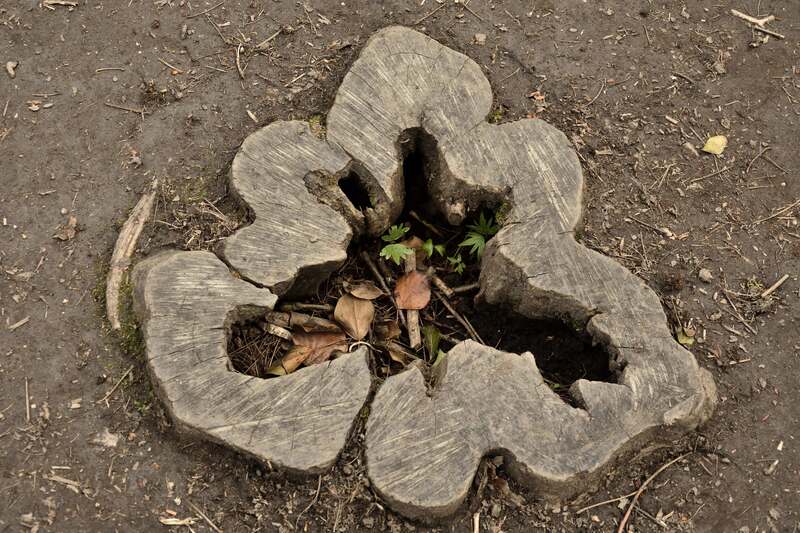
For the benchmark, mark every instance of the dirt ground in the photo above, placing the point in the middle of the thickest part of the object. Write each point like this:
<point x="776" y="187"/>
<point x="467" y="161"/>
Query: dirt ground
<point x="109" y="94"/>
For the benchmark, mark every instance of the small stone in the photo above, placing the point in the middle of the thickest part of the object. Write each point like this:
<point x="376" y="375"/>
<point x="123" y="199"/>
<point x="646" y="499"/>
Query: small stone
<point x="368" y="522"/>
<point x="480" y="39"/>
<point x="689" y="147"/>
<point x="762" y="383"/>
<point x="705" y="275"/>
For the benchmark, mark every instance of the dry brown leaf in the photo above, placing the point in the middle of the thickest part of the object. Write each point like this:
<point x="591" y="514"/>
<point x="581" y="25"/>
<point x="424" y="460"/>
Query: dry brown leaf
<point x="397" y="353"/>
<point x="415" y="243"/>
<point x="387" y="330"/>
<point x="355" y="315"/>
<point x="366" y="290"/>
<point x="322" y="345"/>
<point x="295" y="357"/>
<point x="412" y="291"/>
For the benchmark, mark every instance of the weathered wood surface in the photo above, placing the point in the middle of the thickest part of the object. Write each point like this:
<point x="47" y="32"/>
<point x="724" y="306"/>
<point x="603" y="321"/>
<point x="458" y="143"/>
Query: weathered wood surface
<point x="293" y="235"/>
<point x="423" y="449"/>
<point x="186" y="302"/>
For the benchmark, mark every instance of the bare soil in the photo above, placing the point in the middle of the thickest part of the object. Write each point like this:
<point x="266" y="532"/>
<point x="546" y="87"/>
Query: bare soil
<point x="109" y="94"/>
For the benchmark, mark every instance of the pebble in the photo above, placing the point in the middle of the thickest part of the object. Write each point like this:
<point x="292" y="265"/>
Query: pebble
<point x="705" y="275"/>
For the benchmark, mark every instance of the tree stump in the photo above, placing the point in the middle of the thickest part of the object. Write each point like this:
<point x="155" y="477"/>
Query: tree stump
<point x="423" y="447"/>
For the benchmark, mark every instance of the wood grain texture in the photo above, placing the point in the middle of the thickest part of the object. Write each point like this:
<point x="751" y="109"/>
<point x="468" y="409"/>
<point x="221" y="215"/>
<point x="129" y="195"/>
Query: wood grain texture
<point x="186" y="302"/>
<point x="422" y="449"/>
<point x="293" y="235"/>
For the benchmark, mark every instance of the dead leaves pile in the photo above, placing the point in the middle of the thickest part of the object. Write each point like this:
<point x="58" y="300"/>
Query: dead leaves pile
<point x="315" y="340"/>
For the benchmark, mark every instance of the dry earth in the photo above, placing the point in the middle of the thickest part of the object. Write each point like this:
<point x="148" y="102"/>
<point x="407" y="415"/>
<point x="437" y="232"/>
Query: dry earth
<point x="84" y="445"/>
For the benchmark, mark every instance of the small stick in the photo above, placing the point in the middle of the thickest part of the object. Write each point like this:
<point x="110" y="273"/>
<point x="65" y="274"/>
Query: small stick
<point x="27" y="402"/>
<point x="638" y="493"/>
<point x="750" y="164"/>
<point x="128" y="109"/>
<point x="467" y="288"/>
<point x="123" y="250"/>
<point x="428" y="225"/>
<point x="300" y="306"/>
<point x="769" y="32"/>
<point x="603" y="86"/>
<point x="429" y="14"/>
<point x="440" y="284"/>
<point x="471" y="11"/>
<point x="311" y="504"/>
<point x="412" y="315"/>
<point x="209" y="10"/>
<point x="202" y="514"/>
<point x="511" y="75"/>
<point x="104" y="69"/>
<point x="109" y="393"/>
<point x="778" y="213"/>
<point x="278" y="331"/>
<point x="464" y="322"/>
<point x="382" y="282"/>
<point x="606" y="502"/>
<point x="296" y="79"/>
<point x="173" y="67"/>
<point x="710" y="175"/>
<point x="775" y="286"/>
<point x="265" y="42"/>
<point x="748" y="18"/>
<point x="238" y="62"/>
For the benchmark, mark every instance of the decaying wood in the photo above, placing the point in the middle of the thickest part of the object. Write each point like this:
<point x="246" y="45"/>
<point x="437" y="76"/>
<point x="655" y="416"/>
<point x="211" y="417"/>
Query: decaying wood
<point x="403" y="83"/>
<point x="403" y="80"/>
<point x="123" y="250"/>
<point x="186" y="301"/>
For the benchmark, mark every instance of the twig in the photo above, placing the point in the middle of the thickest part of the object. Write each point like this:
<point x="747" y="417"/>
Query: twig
<point x="606" y="502"/>
<point x="769" y="32"/>
<point x="278" y="331"/>
<point x="639" y="492"/>
<point x="778" y="212"/>
<point x="750" y="164"/>
<point x="461" y="319"/>
<point x="300" y="306"/>
<point x="118" y="383"/>
<point x="105" y="69"/>
<point x="471" y="11"/>
<point x="748" y="18"/>
<point x="27" y="402"/>
<point x="123" y="250"/>
<point x="710" y="175"/>
<point x="774" y="287"/>
<point x="433" y="229"/>
<point x="429" y="14"/>
<point x="265" y="42"/>
<point x="511" y="75"/>
<point x="412" y="315"/>
<point x="603" y="86"/>
<point x="313" y="501"/>
<point x="439" y="282"/>
<point x="209" y="10"/>
<point x="128" y="109"/>
<point x="296" y="79"/>
<point x="197" y="510"/>
<point x="467" y="288"/>
<point x="375" y="272"/>
<point x="168" y="65"/>
<point x="685" y="77"/>
<point x="238" y="62"/>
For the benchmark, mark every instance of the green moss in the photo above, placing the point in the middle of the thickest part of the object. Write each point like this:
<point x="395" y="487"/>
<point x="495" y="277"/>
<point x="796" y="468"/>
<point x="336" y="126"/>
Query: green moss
<point x="317" y="125"/>
<point x="130" y="336"/>
<point x="496" y="116"/>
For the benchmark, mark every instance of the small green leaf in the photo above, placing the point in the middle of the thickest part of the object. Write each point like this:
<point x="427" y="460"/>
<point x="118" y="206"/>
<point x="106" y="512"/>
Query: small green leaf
<point x="431" y="337"/>
<point x="439" y="248"/>
<point x="396" y="252"/>
<point x="395" y="233"/>
<point x="427" y="247"/>
<point x="439" y="358"/>
<point x="457" y="263"/>
<point x="476" y="242"/>
<point x="484" y="227"/>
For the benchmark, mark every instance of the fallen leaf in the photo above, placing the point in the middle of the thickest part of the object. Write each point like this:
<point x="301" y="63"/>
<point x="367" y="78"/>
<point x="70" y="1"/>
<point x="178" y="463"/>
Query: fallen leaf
<point x="366" y="290"/>
<point x="290" y="361"/>
<point x="322" y="345"/>
<point x="355" y="315"/>
<point x="412" y="291"/>
<point x="716" y="144"/>
<point x="431" y="338"/>
<point x="397" y="353"/>
<point x="387" y="330"/>
<point x="67" y="231"/>
<point x="685" y="336"/>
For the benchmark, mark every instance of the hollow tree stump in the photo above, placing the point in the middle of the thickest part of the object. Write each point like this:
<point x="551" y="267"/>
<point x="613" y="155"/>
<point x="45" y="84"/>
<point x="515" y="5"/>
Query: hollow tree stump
<point x="423" y="447"/>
